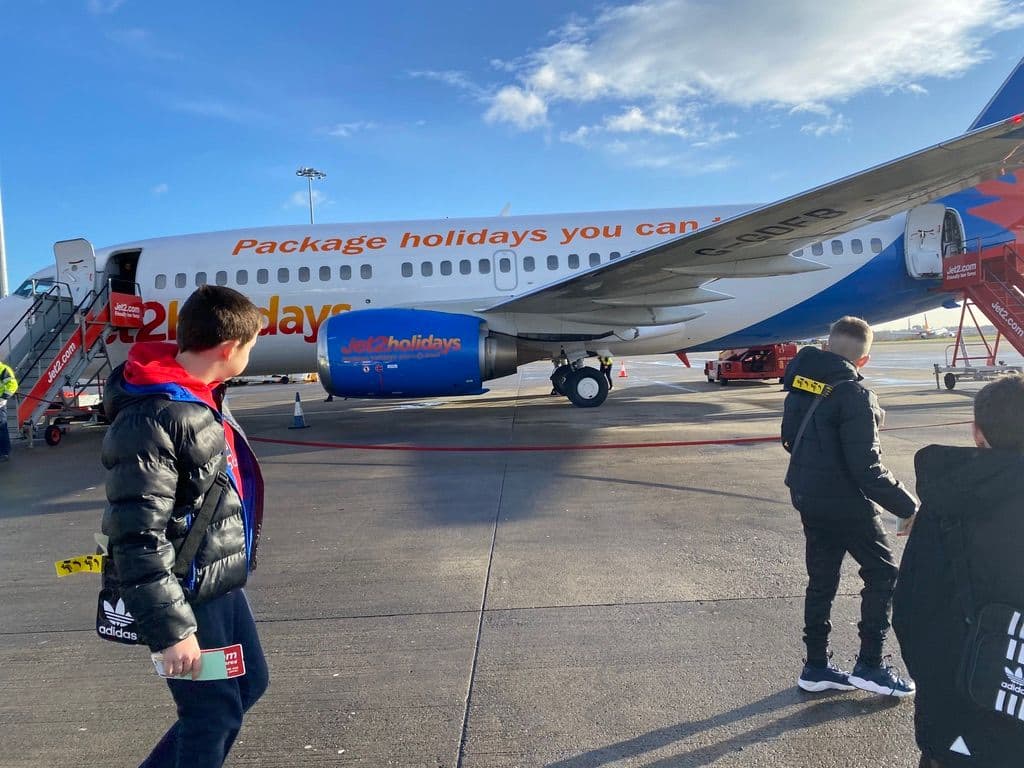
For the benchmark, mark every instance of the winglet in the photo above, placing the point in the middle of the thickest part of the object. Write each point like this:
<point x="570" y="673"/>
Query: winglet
<point x="1007" y="101"/>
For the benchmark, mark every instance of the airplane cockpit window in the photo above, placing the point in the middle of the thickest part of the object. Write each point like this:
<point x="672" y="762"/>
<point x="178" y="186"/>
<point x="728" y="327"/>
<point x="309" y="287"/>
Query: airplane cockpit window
<point x="42" y="286"/>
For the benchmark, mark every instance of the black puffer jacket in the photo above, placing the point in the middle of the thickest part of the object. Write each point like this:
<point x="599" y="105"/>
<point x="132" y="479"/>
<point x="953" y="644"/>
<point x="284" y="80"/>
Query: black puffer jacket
<point x="837" y="470"/>
<point x="162" y="453"/>
<point x="983" y="488"/>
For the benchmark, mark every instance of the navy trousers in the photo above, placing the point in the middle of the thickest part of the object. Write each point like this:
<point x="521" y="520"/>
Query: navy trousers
<point x="210" y="711"/>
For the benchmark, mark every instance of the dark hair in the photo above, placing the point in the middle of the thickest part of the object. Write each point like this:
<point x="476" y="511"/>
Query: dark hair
<point x="850" y="337"/>
<point x="999" y="412"/>
<point x="213" y="314"/>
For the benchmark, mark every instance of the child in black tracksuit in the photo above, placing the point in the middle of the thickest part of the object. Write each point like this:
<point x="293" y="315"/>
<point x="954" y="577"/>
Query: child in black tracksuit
<point x="980" y="489"/>
<point x="170" y="443"/>
<point x="837" y="482"/>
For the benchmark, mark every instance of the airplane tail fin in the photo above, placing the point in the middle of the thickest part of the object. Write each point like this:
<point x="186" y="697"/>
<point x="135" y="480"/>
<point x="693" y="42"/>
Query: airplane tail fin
<point x="1007" y="101"/>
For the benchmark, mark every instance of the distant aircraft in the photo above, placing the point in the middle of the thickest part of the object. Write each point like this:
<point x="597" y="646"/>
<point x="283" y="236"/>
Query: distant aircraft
<point x="933" y="333"/>
<point x="437" y="307"/>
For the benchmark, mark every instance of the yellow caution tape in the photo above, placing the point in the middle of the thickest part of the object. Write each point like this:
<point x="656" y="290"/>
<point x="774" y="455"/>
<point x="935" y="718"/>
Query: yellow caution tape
<point x="82" y="564"/>
<point x="812" y="386"/>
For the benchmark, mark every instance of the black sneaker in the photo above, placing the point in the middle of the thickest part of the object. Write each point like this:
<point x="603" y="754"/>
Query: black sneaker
<point x="882" y="679"/>
<point x="827" y="678"/>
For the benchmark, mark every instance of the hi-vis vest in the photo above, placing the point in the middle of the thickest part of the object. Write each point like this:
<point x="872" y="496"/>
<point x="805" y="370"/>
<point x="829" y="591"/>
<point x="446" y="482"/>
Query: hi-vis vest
<point x="8" y="384"/>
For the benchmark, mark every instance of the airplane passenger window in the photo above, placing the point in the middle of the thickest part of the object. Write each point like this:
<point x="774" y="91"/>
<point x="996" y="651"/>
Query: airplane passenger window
<point x="366" y="271"/>
<point x="529" y="264"/>
<point x="614" y="255"/>
<point x="876" y="245"/>
<point x="262" y="276"/>
<point x="485" y="266"/>
<point x="200" y="279"/>
<point x="221" y="277"/>
<point x="446" y="268"/>
<point x="595" y="259"/>
<point x="345" y="272"/>
<point x="282" y="275"/>
<point x="407" y="269"/>
<point x="179" y="280"/>
<point x="837" y="247"/>
<point x="426" y="268"/>
<point x="552" y="262"/>
<point x="857" y="245"/>
<point x="242" y="277"/>
<point x="303" y="274"/>
<point x="505" y="265"/>
<point x="574" y="261"/>
<point x="161" y="281"/>
<point x="465" y="267"/>
<point x="817" y="249"/>
<point x="325" y="274"/>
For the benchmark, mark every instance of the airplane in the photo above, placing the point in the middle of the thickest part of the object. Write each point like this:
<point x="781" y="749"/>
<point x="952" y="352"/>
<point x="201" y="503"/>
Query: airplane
<point x="432" y="308"/>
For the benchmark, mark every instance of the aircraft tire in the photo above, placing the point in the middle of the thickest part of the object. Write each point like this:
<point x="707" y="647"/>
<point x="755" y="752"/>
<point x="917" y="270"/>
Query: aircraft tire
<point x="559" y="378"/>
<point x="53" y="434"/>
<point x="949" y="380"/>
<point x="586" y="388"/>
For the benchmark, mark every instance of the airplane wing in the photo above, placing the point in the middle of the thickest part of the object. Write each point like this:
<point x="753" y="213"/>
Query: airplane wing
<point x="758" y="243"/>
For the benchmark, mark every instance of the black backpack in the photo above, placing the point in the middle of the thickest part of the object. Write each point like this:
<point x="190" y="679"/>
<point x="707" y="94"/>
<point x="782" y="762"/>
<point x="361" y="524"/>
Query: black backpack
<point x="991" y="669"/>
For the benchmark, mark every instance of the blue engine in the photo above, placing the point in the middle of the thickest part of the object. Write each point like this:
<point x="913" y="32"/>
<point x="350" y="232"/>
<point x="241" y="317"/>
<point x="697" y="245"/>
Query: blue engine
<point x="410" y="353"/>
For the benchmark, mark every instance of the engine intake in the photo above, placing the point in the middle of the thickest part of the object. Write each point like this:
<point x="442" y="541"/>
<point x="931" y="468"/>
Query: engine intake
<point x="410" y="353"/>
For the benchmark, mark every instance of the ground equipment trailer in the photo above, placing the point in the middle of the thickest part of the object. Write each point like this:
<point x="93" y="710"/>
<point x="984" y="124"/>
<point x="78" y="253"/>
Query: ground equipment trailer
<point x="758" y="363"/>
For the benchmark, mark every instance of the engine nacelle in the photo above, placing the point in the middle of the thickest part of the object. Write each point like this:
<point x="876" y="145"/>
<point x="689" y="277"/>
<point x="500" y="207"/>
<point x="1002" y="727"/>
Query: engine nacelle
<point x="410" y="353"/>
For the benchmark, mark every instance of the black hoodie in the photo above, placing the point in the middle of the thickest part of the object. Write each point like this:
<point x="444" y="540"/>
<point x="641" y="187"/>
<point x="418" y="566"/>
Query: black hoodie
<point x="837" y="471"/>
<point x="984" y="488"/>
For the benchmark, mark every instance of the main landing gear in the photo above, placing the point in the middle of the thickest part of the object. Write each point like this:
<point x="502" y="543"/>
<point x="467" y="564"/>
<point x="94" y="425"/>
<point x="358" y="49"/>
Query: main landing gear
<point x="585" y="387"/>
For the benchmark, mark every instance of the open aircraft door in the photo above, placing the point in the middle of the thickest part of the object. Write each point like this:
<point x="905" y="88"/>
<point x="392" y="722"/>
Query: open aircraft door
<point x="76" y="267"/>
<point x="923" y="241"/>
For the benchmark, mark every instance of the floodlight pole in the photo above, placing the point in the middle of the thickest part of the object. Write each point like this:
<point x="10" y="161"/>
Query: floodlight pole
<point x="310" y="174"/>
<point x="4" y="290"/>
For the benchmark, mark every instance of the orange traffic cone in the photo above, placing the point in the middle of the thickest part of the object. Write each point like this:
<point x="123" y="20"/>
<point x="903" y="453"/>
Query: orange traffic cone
<point x="299" y="420"/>
<point x="622" y="369"/>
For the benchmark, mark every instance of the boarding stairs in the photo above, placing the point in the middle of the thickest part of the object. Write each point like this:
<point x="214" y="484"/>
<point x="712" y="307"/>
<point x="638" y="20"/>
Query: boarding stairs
<point x="52" y="347"/>
<point x="990" y="279"/>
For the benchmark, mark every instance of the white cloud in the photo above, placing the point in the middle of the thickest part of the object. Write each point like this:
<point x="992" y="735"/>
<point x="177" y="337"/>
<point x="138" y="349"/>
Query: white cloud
<point x="513" y="105"/>
<point x="829" y="127"/>
<point x="346" y="130"/>
<point x="99" y="7"/>
<point x="160" y="189"/>
<point x="301" y="200"/>
<point x="638" y="61"/>
<point x="450" y="77"/>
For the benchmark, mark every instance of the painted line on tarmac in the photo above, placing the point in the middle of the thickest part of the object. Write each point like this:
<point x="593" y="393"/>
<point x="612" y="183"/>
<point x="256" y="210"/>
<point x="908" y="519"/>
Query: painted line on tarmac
<point x="542" y="448"/>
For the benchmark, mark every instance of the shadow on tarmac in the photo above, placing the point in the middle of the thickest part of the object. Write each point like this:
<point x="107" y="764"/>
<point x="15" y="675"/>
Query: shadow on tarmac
<point x="826" y="707"/>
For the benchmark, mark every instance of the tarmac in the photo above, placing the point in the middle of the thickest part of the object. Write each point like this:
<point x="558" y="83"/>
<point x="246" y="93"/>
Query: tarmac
<point x="503" y="580"/>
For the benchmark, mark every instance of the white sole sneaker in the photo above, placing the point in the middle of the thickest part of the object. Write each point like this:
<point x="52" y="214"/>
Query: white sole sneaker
<point x="822" y="685"/>
<point x="870" y="687"/>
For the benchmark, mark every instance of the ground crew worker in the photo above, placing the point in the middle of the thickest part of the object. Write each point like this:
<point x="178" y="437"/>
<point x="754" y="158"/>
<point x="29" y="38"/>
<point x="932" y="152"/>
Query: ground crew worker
<point x="606" y="368"/>
<point x="8" y="386"/>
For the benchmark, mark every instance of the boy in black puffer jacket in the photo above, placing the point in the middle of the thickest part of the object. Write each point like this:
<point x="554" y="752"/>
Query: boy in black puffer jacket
<point x="170" y="438"/>
<point x="981" y="488"/>
<point x="837" y="482"/>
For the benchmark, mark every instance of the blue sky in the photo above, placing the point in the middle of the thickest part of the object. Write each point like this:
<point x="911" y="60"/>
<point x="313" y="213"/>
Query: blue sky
<point x="125" y="119"/>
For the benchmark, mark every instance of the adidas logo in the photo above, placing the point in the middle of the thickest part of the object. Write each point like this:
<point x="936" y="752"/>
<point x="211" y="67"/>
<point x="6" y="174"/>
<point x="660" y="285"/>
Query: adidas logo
<point x="117" y="614"/>
<point x="1015" y="677"/>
